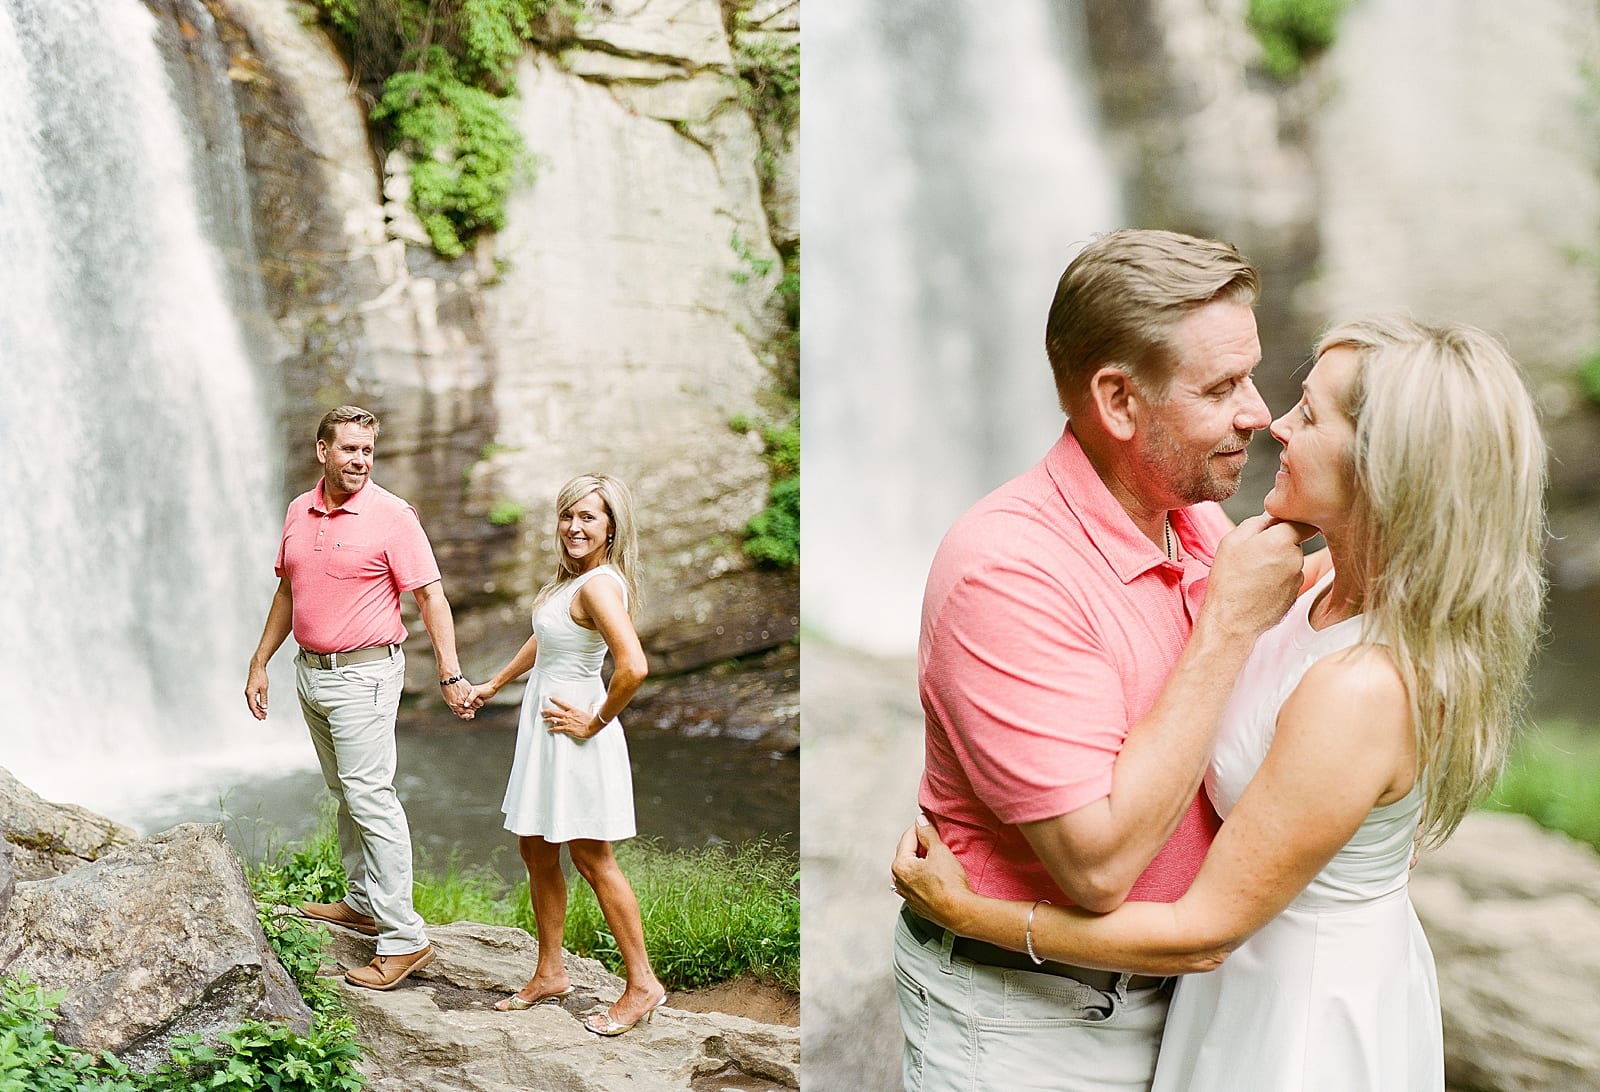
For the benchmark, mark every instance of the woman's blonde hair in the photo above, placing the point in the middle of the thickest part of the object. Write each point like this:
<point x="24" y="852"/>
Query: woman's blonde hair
<point x="622" y="547"/>
<point x="1448" y="527"/>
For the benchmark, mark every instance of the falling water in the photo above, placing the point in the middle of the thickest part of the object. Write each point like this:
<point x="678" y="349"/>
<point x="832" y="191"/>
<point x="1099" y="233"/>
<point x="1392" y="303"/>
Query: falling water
<point x="952" y="168"/>
<point x="141" y="481"/>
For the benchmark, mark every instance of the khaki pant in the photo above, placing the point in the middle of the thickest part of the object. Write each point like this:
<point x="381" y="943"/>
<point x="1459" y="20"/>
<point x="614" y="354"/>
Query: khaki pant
<point x="351" y="713"/>
<point x="975" y="1028"/>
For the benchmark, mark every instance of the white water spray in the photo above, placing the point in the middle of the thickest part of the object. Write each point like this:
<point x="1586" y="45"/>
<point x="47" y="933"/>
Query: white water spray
<point x="136" y="556"/>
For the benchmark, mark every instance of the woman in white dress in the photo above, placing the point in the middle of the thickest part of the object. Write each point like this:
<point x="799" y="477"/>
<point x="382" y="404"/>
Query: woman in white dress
<point x="1368" y="719"/>
<point x="570" y="780"/>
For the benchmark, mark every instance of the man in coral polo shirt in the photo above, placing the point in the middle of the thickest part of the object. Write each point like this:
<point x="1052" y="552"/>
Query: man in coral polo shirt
<point x="1081" y="630"/>
<point x="350" y="548"/>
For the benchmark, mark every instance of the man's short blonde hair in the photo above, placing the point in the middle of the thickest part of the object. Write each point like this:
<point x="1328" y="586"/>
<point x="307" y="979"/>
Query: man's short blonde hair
<point x="1121" y="297"/>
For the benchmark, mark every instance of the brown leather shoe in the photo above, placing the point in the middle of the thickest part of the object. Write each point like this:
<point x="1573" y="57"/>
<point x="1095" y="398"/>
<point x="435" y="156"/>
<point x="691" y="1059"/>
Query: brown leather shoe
<point x="339" y="913"/>
<point x="388" y="971"/>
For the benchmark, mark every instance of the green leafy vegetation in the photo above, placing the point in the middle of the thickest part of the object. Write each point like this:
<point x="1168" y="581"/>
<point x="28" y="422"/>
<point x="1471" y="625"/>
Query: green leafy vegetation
<point x="506" y="513"/>
<point x="768" y="67"/>
<point x="772" y="537"/>
<point x="1291" y="32"/>
<point x="1553" y="777"/>
<point x="1589" y="377"/>
<point x="465" y="156"/>
<point x="255" y="1055"/>
<point x="440" y="71"/>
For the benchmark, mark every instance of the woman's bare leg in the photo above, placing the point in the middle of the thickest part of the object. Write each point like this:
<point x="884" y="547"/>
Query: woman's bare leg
<point x="598" y="865"/>
<point x="547" y="889"/>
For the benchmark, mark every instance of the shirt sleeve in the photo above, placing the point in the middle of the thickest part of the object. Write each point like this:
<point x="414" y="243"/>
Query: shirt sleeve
<point x="410" y="556"/>
<point x="1033" y="700"/>
<point x="280" y="567"/>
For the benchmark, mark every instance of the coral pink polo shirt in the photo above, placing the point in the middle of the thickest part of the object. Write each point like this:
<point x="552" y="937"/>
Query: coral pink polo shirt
<point x="1049" y="626"/>
<point x="347" y="568"/>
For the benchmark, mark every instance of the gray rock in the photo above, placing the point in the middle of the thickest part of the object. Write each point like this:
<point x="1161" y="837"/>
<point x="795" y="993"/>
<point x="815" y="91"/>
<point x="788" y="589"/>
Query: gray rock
<point x="1513" y="915"/>
<point x="8" y="877"/>
<point x="156" y="939"/>
<point x="52" y="839"/>
<point x="438" y="1031"/>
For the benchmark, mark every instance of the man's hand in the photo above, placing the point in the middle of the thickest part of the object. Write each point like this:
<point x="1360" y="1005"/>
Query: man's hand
<point x="255" y="692"/>
<point x="1256" y="575"/>
<point x="458" y="696"/>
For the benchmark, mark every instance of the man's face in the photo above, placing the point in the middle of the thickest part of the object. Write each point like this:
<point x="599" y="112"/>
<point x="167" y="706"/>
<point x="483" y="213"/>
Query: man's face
<point x="1193" y="441"/>
<point x="347" y="461"/>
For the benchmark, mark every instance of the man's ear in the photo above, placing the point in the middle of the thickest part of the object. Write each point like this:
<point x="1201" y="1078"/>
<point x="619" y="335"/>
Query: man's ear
<point x="1114" y="401"/>
<point x="322" y="452"/>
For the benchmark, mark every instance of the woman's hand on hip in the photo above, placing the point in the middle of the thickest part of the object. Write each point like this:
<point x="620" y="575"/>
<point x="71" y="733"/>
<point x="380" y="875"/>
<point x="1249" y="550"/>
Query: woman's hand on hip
<point x="928" y="876"/>
<point x="570" y="720"/>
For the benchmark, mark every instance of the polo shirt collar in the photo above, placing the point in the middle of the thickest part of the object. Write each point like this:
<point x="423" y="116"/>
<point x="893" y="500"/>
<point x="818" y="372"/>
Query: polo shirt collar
<point x="1105" y="522"/>
<point x="352" y="503"/>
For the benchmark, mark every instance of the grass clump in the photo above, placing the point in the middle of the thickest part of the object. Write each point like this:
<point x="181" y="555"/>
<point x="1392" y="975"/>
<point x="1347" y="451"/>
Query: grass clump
<point x="710" y="914"/>
<point x="1553" y="777"/>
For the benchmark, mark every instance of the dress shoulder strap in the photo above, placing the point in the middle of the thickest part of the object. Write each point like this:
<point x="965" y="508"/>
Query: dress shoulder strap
<point x="609" y="570"/>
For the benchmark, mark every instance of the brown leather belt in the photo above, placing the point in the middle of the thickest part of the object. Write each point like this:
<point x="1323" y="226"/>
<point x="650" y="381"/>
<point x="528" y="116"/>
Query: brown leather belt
<point x="330" y="660"/>
<point x="992" y="955"/>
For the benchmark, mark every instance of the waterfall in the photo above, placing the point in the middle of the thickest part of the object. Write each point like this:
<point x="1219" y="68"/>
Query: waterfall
<point x="138" y="466"/>
<point x="952" y="168"/>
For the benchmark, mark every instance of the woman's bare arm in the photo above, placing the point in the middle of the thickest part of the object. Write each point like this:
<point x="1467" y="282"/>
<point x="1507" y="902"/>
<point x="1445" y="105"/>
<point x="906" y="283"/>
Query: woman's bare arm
<point x="1343" y="746"/>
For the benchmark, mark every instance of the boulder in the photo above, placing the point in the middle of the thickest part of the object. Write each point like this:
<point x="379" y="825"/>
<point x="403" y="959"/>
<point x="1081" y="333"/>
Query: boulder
<point x="155" y="939"/>
<point x="1513" y="914"/>
<point x="47" y="839"/>
<point x="8" y="877"/>
<point x="438" y="1030"/>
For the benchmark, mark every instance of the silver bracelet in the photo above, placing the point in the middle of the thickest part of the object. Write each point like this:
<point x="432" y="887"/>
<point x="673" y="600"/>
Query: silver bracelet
<point x="1027" y="934"/>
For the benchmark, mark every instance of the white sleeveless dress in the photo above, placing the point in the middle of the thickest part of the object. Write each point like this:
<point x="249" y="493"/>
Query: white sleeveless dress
<point x="562" y="788"/>
<point x="1338" y="993"/>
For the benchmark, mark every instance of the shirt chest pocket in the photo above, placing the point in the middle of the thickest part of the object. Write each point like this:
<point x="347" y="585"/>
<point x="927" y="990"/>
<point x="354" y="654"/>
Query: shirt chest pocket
<point x="349" y="560"/>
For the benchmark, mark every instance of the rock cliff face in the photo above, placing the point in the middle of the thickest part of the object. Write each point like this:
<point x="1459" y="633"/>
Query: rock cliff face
<point x="619" y="322"/>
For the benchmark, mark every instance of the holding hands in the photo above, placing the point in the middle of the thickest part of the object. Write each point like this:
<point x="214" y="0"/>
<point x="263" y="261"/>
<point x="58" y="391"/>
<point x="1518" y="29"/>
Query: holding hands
<point x="480" y="695"/>
<point x="458" y="696"/>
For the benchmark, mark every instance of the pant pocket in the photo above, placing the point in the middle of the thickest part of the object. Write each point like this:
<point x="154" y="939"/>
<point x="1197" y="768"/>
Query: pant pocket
<point x="912" y="998"/>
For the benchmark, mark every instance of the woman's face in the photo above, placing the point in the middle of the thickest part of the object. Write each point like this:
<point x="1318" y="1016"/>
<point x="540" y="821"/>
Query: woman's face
<point x="1315" y="482"/>
<point x="585" y="530"/>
